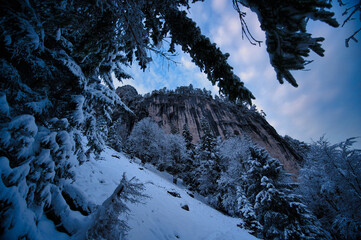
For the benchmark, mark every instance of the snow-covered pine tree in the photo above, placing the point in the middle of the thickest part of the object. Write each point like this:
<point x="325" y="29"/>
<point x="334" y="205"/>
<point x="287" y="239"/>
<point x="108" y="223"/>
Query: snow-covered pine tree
<point x="278" y="209"/>
<point x="208" y="141"/>
<point x="37" y="133"/>
<point x="116" y="131"/>
<point x="246" y="210"/>
<point x="188" y="138"/>
<point x="234" y="153"/>
<point x="173" y="129"/>
<point x="49" y="98"/>
<point x="330" y="183"/>
<point x="191" y="165"/>
<point x="209" y="168"/>
<point x="110" y="220"/>
<point x="177" y="156"/>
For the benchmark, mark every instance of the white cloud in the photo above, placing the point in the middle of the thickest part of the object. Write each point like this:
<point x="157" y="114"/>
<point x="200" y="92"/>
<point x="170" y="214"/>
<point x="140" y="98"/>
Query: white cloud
<point x="138" y="85"/>
<point x="280" y="93"/>
<point x="233" y="25"/>
<point x="227" y="31"/>
<point x="291" y="107"/>
<point x="269" y="73"/>
<point x="187" y="63"/>
<point x="198" y="12"/>
<point x="247" y="75"/>
<point x="219" y="5"/>
<point x="219" y="36"/>
<point x="204" y="82"/>
<point x="249" y="54"/>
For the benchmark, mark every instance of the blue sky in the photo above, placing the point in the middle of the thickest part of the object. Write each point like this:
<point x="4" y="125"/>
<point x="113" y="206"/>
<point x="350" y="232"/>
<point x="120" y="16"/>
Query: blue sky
<point x="327" y="101"/>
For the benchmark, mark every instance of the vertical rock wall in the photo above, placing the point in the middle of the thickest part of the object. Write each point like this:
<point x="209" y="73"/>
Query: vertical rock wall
<point x="173" y="110"/>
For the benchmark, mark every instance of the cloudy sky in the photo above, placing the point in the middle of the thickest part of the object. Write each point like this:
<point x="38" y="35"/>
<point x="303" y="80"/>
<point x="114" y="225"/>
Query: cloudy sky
<point x="327" y="101"/>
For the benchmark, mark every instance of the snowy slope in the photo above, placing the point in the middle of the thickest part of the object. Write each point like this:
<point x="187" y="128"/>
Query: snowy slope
<point x="161" y="216"/>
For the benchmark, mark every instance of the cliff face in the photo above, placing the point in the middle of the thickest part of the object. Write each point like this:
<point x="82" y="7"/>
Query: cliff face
<point x="173" y="110"/>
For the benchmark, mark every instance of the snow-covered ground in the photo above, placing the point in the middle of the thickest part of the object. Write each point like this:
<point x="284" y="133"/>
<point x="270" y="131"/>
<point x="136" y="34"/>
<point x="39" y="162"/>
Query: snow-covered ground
<point x="160" y="217"/>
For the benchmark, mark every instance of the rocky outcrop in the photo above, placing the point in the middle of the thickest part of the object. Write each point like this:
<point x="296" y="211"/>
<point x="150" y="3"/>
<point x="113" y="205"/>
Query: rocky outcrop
<point x="172" y="109"/>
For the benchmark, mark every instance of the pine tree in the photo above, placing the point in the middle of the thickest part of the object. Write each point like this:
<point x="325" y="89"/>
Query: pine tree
<point x="278" y="209"/>
<point x="234" y="153"/>
<point x="246" y="210"/>
<point x="177" y="156"/>
<point x="208" y="141"/>
<point x="191" y="165"/>
<point x="173" y="129"/>
<point x="255" y="187"/>
<point x="187" y="136"/>
<point x="329" y="181"/>
<point x="110" y="219"/>
<point x="209" y="169"/>
<point x="116" y="132"/>
<point x="50" y="99"/>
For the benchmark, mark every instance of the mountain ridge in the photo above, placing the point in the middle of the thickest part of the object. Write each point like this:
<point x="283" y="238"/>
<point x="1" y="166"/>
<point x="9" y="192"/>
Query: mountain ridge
<point x="172" y="109"/>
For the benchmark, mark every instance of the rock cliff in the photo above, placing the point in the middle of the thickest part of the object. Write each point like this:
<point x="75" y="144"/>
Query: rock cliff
<point x="172" y="109"/>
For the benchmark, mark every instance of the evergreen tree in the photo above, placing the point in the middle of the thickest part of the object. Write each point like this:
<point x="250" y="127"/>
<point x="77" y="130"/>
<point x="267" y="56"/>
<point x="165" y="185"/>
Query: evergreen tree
<point x="208" y="141"/>
<point x="246" y="210"/>
<point x="234" y="153"/>
<point x="177" y="156"/>
<point x="173" y="129"/>
<point x="110" y="219"/>
<point x="50" y="100"/>
<point x="190" y="172"/>
<point x="209" y="169"/>
<point x="188" y="138"/>
<point x="116" y="132"/>
<point x="255" y="187"/>
<point x="283" y="30"/>
<point x="278" y="209"/>
<point x="330" y="183"/>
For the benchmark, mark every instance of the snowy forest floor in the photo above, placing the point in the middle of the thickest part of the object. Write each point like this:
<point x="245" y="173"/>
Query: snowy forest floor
<point x="161" y="216"/>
